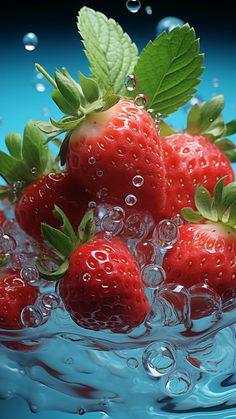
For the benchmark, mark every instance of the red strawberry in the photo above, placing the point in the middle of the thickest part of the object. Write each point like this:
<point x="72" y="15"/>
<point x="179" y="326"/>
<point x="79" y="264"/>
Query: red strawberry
<point x="206" y="252"/>
<point x="2" y="217"/>
<point x="15" y="294"/>
<point x="100" y="285"/>
<point x="112" y="147"/>
<point x="34" y="187"/>
<point x="199" y="156"/>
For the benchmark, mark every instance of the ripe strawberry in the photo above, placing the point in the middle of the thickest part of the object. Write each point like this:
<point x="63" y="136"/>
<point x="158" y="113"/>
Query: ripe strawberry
<point x="100" y="284"/>
<point x="15" y="294"/>
<point x="112" y="147"/>
<point x="2" y="217"/>
<point x="205" y="252"/>
<point x="198" y="156"/>
<point x="35" y="186"/>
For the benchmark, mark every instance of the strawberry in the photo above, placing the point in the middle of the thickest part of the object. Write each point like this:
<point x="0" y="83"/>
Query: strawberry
<point x="15" y="294"/>
<point x="2" y="218"/>
<point x="112" y="147"/>
<point x="35" y="186"/>
<point x="205" y="250"/>
<point x="100" y="283"/>
<point x="199" y="156"/>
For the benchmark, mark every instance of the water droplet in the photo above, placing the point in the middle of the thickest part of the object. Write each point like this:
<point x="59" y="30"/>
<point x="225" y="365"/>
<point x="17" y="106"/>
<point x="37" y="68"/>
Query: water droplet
<point x="1" y="120"/>
<point x="92" y="160"/>
<point x="92" y="204"/>
<point x="215" y="82"/>
<point x="116" y="214"/>
<point x="33" y="170"/>
<point x="153" y="276"/>
<point x="131" y="82"/>
<point x="69" y="361"/>
<point x="81" y="411"/>
<point x="99" y="173"/>
<point x="45" y="111"/>
<point x="111" y="228"/>
<point x="133" y="5"/>
<point x="30" y="274"/>
<point x="16" y="186"/>
<point x="167" y="234"/>
<point x="141" y="100"/>
<point x="159" y="359"/>
<point x="195" y="100"/>
<point x="138" y="181"/>
<point x="40" y="87"/>
<point x="7" y="243"/>
<point x="148" y="10"/>
<point x="132" y="362"/>
<point x="135" y="227"/>
<point x="178" y="220"/>
<point x="30" y="41"/>
<point x="130" y="200"/>
<point x="50" y="301"/>
<point x="167" y="24"/>
<point x="86" y="277"/>
<point x="33" y="408"/>
<point x="178" y="383"/>
<point x="31" y="316"/>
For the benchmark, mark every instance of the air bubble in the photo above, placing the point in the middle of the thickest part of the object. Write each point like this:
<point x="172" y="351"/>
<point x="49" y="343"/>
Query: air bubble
<point x="159" y="359"/>
<point x="50" y="301"/>
<point x="130" y="200"/>
<point x="30" y="274"/>
<point x="92" y="160"/>
<point x="206" y="304"/>
<point x="178" y="220"/>
<point x="31" y="316"/>
<point x="141" y="100"/>
<point x="7" y="243"/>
<point x="148" y="10"/>
<point x="167" y="24"/>
<point x="30" y="41"/>
<point x="16" y="186"/>
<point x="138" y="181"/>
<point x="178" y="383"/>
<point x="99" y="173"/>
<point x="92" y="204"/>
<point x="133" y="5"/>
<point x="132" y="362"/>
<point x="81" y="411"/>
<point x="111" y="228"/>
<point x="153" y="276"/>
<point x="86" y="277"/>
<point x="167" y="234"/>
<point x="215" y="82"/>
<point x="147" y="254"/>
<point x="116" y="214"/>
<point x="131" y="83"/>
<point x="40" y="87"/>
<point x="33" y="170"/>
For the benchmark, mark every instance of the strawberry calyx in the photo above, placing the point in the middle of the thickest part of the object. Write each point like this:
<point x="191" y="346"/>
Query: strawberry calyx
<point x="219" y="208"/>
<point x="64" y="241"/>
<point x="28" y="159"/>
<point x="206" y="119"/>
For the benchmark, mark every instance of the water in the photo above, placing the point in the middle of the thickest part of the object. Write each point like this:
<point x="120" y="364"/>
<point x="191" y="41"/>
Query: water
<point x="30" y="41"/>
<point x="167" y="24"/>
<point x="133" y="5"/>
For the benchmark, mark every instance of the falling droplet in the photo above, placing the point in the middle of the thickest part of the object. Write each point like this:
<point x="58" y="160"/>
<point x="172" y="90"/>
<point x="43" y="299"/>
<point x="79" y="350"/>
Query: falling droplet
<point x="138" y="181"/>
<point x="159" y="359"/>
<point x="131" y="82"/>
<point x="148" y="10"/>
<point x="133" y="5"/>
<point x="132" y="362"/>
<point x="167" y="24"/>
<point x="130" y="200"/>
<point x="215" y="82"/>
<point x="30" y="41"/>
<point x="31" y="316"/>
<point x="141" y="100"/>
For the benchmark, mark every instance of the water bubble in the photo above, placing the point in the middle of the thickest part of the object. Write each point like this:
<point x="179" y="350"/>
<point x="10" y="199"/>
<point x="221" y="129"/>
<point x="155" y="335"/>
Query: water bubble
<point x="130" y="200"/>
<point x="167" y="24"/>
<point x="132" y="362"/>
<point x="146" y="253"/>
<point x="206" y="304"/>
<point x="99" y="173"/>
<point x="153" y="276"/>
<point x="16" y="186"/>
<point x="178" y="383"/>
<point x="7" y="243"/>
<point x="138" y="181"/>
<point x="30" y="41"/>
<point x="159" y="359"/>
<point x="81" y="411"/>
<point x="111" y="228"/>
<point x="177" y="305"/>
<point x="135" y="227"/>
<point x="92" y="204"/>
<point x="86" y="277"/>
<point x="30" y="274"/>
<point x="133" y="5"/>
<point x="131" y="83"/>
<point x="116" y="214"/>
<point x="40" y="87"/>
<point x="148" y="10"/>
<point x="102" y="193"/>
<point x="31" y="316"/>
<point x="178" y="220"/>
<point x="92" y="160"/>
<point x="69" y="361"/>
<point x="50" y="301"/>
<point x="167" y="233"/>
<point x="45" y="111"/>
<point x="141" y="100"/>
<point x="215" y="82"/>
<point x="33" y="170"/>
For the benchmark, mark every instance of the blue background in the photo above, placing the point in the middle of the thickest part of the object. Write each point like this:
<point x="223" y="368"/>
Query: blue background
<point x="59" y="45"/>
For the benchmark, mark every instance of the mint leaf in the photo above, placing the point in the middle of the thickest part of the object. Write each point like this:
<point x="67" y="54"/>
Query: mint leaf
<point x="110" y="51"/>
<point x="168" y="70"/>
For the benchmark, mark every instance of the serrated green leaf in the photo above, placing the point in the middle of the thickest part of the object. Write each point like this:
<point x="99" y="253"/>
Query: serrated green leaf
<point x="231" y="127"/>
<point x="89" y="88"/>
<point x="190" y="215"/>
<point x="203" y="202"/>
<point x="194" y="120"/>
<point x="110" y="51"/>
<point x="210" y="111"/>
<point x="62" y="103"/>
<point x="69" y="89"/>
<point x="57" y="240"/>
<point x="169" y="69"/>
<point x="14" y="144"/>
<point x="35" y="151"/>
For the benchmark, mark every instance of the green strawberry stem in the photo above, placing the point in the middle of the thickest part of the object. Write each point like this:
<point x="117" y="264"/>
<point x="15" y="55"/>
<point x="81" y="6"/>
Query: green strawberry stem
<point x="46" y="75"/>
<point x="64" y="240"/>
<point x="219" y="208"/>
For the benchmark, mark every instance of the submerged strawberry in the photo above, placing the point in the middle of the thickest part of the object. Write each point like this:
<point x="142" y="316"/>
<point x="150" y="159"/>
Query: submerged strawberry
<point x="100" y="283"/>
<point x="2" y="217"/>
<point x="34" y="185"/>
<point x="199" y="156"/>
<point x="205" y="253"/>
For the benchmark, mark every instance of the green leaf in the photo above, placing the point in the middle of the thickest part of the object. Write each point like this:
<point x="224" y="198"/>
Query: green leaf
<point x="110" y="51"/>
<point x="69" y="89"/>
<point x="12" y="169"/>
<point x="87" y="227"/>
<point x="14" y="144"/>
<point x="216" y="128"/>
<point x="66" y="226"/>
<point x="231" y="127"/>
<point x="210" y="110"/>
<point x="89" y="88"/>
<point x="62" y="103"/>
<point x="228" y="196"/>
<point x="194" y="120"/>
<point x="5" y="192"/>
<point x="225" y="144"/>
<point x="231" y="154"/>
<point x="57" y="240"/>
<point x="169" y="69"/>
<point x="55" y="275"/>
<point x="203" y="202"/>
<point x="190" y="215"/>
<point x="110" y="99"/>
<point x="232" y="215"/>
<point x="218" y="196"/>
<point x="47" y="127"/>
<point x="165" y="129"/>
<point x="35" y="151"/>
<point x="66" y="125"/>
